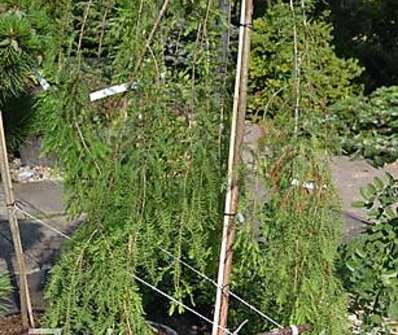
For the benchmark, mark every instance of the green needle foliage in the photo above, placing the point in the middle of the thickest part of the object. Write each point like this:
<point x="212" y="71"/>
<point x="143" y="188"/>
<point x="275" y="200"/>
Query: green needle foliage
<point x="24" y="35"/>
<point x="146" y="167"/>
<point x="17" y="44"/>
<point x="289" y="250"/>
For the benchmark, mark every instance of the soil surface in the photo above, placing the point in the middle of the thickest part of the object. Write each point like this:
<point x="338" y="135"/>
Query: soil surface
<point x="12" y="325"/>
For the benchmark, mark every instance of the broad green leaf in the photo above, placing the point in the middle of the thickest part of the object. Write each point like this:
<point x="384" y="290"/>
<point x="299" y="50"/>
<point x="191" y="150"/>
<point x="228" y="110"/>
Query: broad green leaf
<point x="378" y="183"/>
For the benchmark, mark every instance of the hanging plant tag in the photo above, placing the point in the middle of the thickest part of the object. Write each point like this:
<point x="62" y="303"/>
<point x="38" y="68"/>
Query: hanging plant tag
<point x="112" y="90"/>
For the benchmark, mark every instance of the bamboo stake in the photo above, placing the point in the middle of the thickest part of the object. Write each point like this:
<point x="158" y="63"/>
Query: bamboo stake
<point x="232" y="196"/>
<point x="297" y="65"/>
<point x="26" y="307"/>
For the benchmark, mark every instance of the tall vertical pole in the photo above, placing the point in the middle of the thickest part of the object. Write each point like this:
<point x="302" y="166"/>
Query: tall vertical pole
<point x="25" y="305"/>
<point x="232" y="196"/>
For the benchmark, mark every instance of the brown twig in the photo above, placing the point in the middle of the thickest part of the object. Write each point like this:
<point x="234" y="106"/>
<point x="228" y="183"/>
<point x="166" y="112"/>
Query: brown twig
<point x="103" y="28"/>
<point x="147" y="46"/>
<point x="79" y="46"/>
<point x="152" y="34"/>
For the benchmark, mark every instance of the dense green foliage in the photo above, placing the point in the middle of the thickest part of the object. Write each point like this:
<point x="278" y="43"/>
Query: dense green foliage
<point x="368" y="125"/>
<point x="24" y="38"/>
<point x="5" y="290"/>
<point x="17" y="44"/>
<point x="146" y="167"/>
<point x="325" y="78"/>
<point x="370" y="262"/>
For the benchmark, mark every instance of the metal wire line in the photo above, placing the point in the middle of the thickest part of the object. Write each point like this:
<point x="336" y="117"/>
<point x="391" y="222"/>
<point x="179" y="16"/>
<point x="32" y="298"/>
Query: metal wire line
<point x="241" y="300"/>
<point x="154" y="288"/>
<point x="41" y="222"/>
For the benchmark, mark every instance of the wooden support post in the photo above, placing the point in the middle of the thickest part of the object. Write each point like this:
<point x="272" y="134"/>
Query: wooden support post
<point x="232" y="196"/>
<point x="25" y="305"/>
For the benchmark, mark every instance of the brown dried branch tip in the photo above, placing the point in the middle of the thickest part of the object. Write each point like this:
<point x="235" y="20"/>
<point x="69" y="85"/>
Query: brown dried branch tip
<point x="289" y="330"/>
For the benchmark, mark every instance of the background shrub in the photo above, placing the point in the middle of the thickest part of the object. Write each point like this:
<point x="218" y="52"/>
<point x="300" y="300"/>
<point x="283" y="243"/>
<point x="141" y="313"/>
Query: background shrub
<point x="25" y="41"/>
<point x="370" y="263"/>
<point x="325" y="78"/>
<point x="368" y="126"/>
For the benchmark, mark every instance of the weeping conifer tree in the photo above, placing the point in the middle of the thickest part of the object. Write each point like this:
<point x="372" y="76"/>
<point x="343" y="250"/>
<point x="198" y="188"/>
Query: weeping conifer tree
<point x="288" y="245"/>
<point x="146" y="167"/>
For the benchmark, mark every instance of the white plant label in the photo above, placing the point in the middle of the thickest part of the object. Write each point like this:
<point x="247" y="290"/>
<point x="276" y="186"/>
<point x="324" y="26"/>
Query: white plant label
<point x="109" y="91"/>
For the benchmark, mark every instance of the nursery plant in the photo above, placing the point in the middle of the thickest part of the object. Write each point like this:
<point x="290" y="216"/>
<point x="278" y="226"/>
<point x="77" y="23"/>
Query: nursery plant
<point x="145" y="167"/>
<point x="287" y="247"/>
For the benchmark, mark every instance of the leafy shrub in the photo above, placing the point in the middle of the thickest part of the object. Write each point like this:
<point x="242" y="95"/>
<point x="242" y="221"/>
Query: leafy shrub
<point x="5" y="290"/>
<point x="368" y="31"/>
<point x="369" y="125"/>
<point x="370" y="263"/>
